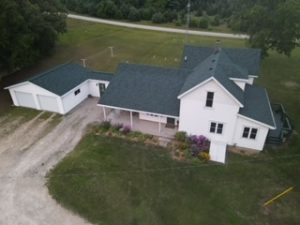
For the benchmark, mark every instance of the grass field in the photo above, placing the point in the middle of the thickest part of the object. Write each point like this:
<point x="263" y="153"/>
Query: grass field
<point x="112" y="181"/>
<point x="107" y="180"/>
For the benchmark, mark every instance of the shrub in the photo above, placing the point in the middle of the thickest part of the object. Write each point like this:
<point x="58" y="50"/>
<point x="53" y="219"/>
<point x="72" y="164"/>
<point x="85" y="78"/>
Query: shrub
<point x="126" y="130"/>
<point x="117" y="127"/>
<point x="181" y="136"/>
<point x="216" y="21"/>
<point x="133" y="14"/>
<point x="194" y="22"/>
<point x="158" y="18"/>
<point x="105" y="125"/>
<point x="203" y="23"/>
<point x="204" y="156"/>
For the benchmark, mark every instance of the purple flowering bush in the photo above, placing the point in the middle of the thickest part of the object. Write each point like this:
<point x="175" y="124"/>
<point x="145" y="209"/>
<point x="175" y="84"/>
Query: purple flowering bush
<point x="198" y="144"/>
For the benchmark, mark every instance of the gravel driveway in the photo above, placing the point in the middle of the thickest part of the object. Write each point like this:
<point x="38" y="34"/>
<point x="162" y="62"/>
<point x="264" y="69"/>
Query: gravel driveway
<point x="26" y="155"/>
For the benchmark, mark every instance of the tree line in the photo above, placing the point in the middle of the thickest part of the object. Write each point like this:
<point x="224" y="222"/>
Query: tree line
<point x="30" y="28"/>
<point x="157" y="11"/>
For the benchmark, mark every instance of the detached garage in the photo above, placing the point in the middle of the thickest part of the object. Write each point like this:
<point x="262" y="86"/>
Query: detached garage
<point x="59" y="89"/>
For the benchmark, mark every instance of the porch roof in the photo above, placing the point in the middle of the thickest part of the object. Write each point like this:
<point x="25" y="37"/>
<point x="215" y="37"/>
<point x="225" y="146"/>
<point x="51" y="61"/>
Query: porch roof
<point x="257" y="105"/>
<point x="145" y="88"/>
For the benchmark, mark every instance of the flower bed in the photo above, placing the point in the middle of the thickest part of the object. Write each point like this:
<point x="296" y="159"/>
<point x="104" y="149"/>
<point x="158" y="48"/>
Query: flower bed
<point x="191" y="146"/>
<point x="123" y="131"/>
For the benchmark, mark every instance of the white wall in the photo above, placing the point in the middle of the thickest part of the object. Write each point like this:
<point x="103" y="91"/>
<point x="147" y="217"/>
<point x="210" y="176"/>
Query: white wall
<point x="94" y="87"/>
<point x="70" y="100"/>
<point x="258" y="143"/>
<point x="195" y="118"/>
<point x="152" y="117"/>
<point x="241" y="84"/>
<point x="35" y="90"/>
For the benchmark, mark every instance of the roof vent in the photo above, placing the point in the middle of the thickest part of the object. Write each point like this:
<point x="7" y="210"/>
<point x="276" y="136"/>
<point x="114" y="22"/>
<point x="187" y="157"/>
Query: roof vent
<point x="210" y="68"/>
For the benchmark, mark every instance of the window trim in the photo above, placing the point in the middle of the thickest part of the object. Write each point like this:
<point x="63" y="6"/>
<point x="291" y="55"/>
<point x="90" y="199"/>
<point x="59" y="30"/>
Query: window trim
<point x="77" y="92"/>
<point x="250" y="133"/>
<point x="209" y="99"/>
<point x="216" y="127"/>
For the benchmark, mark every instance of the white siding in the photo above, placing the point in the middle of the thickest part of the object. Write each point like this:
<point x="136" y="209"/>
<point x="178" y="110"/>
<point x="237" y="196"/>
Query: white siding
<point x="241" y="84"/>
<point x="94" y="87"/>
<point x="34" y="90"/>
<point x="195" y="118"/>
<point x="48" y="103"/>
<point x="152" y="117"/>
<point x="258" y="143"/>
<point x="25" y="99"/>
<point x="70" y="100"/>
<point x="250" y="80"/>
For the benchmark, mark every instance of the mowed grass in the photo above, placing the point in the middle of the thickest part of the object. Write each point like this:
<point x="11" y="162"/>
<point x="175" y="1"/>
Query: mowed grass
<point x="112" y="181"/>
<point x="92" y="41"/>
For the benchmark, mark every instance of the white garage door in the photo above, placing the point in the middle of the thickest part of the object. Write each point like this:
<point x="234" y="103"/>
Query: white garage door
<point x="217" y="151"/>
<point x="25" y="99"/>
<point x="48" y="103"/>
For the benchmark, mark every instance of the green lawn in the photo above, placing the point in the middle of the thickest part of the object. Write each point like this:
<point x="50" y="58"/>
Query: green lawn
<point x="91" y="41"/>
<point x="108" y="180"/>
<point x="113" y="181"/>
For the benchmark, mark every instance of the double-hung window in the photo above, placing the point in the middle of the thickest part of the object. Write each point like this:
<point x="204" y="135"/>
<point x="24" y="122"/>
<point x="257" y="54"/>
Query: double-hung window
<point x="216" y="128"/>
<point x="209" y="99"/>
<point x="250" y="133"/>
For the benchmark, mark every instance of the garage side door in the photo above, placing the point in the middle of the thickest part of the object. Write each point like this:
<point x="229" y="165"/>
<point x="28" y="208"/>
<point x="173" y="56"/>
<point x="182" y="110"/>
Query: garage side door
<point x="48" y="103"/>
<point x="25" y="99"/>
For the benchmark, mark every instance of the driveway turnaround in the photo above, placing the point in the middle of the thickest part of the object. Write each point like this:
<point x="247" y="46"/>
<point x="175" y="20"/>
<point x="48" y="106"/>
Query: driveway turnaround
<point x="156" y="28"/>
<point x="26" y="155"/>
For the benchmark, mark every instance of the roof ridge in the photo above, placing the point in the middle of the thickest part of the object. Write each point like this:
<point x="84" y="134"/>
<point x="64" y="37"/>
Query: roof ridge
<point x="50" y="70"/>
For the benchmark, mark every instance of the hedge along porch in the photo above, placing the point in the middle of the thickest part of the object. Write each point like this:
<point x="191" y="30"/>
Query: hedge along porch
<point x="158" y="125"/>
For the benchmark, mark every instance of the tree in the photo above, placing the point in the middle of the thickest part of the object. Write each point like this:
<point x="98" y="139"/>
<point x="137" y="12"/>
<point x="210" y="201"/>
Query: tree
<point x="158" y="18"/>
<point x="203" y="23"/>
<point x="107" y="9"/>
<point x="134" y="14"/>
<point x="271" y="24"/>
<point x="29" y="30"/>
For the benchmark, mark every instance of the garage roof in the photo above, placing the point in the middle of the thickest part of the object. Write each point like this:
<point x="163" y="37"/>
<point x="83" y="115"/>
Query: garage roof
<point x="63" y="78"/>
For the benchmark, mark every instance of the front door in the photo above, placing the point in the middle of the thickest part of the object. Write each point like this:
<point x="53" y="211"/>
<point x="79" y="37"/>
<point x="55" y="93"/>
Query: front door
<point x="101" y="89"/>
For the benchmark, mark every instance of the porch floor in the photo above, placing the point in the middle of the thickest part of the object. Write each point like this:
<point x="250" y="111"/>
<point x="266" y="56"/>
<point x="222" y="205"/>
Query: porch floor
<point x="144" y="126"/>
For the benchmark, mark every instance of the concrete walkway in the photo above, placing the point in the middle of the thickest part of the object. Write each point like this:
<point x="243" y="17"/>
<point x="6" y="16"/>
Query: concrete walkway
<point x="156" y="28"/>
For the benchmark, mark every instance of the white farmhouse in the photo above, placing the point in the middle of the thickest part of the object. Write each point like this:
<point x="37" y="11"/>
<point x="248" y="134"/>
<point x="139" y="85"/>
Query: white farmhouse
<point x="211" y="94"/>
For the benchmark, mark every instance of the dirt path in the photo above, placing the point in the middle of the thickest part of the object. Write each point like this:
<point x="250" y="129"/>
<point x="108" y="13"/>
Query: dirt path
<point x="25" y="158"/>
<point x="157" y="28"/>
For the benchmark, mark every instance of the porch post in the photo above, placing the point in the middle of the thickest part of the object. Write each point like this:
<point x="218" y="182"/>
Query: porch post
<point x="131" y="120"/>
<point x="104" y="113"/>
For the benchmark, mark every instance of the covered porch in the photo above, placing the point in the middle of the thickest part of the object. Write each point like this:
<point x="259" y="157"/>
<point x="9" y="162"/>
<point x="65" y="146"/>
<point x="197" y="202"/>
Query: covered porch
<point x="153" y="124"/>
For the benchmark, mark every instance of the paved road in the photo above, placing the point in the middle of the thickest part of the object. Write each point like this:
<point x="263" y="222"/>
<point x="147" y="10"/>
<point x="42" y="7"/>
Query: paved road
<point x="27" y="153"/>
<point x="156" y="28"/>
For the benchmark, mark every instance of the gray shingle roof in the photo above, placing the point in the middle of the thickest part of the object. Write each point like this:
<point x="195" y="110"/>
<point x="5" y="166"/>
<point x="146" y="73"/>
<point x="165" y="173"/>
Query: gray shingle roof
<point x="63" y="78"/>
<point x="244" y="58"/>
<point x="216" y="65"/>
<point x="146" y="88"/>
<point x="257" y="105"/>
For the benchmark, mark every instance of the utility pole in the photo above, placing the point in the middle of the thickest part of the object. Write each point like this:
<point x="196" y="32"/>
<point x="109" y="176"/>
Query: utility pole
<point x="111" y="51"/>
<point x="188" y="21"/>
<point x="83" y="62"/>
